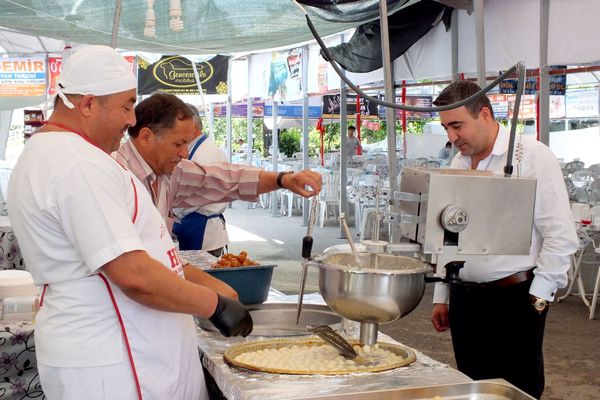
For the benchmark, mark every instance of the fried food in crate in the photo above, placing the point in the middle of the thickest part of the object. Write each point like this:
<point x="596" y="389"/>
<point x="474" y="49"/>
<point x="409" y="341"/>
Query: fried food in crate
<point x="230" y="260"/>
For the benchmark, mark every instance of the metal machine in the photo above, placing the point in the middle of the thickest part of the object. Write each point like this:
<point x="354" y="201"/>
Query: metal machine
<point x="445" y="217"/>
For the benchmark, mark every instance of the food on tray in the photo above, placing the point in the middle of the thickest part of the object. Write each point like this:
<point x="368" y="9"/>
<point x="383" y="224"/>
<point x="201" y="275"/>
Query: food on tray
<point x="314" y="358"/>
<point x="230" y="260"/>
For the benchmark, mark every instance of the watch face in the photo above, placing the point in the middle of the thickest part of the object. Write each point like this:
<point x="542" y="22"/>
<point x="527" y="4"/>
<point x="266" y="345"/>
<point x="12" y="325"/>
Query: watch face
<point x="540" y="304"/>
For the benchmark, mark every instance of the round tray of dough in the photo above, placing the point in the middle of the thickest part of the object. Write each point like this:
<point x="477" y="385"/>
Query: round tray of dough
<point x="371" y="360"/>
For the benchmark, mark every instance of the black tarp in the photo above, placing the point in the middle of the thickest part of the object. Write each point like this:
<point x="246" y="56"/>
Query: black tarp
<point x="362" y="53"/>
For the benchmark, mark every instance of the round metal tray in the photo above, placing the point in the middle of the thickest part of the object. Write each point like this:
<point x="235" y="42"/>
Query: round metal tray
<point x="235" y="350"/>
<point x="279" y="319"/>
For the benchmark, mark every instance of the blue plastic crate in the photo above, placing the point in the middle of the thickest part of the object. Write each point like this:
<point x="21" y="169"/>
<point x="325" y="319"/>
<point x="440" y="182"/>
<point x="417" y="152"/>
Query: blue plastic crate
<point x="251" y="283"/>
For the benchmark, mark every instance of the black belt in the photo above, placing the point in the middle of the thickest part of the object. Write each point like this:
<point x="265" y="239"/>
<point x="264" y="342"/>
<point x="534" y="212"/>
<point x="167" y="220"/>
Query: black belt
<point x="510" y="280"/>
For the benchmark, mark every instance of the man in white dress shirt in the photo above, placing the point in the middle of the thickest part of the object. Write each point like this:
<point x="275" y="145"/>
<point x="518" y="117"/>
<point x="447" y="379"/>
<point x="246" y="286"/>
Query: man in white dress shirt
<point x="202" y="228"/>
<point x="497" y="316"/>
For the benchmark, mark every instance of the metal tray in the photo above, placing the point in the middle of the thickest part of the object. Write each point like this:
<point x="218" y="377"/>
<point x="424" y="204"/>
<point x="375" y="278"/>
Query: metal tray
<point x="408" y="357"/>
<point x="279" y="319"/>
<point x="497" y="389"/>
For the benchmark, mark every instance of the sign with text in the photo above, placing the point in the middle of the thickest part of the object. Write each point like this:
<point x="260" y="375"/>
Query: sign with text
<point x="582" y="103"/>
<point x="331" y="106"/>
<point x="22" y="76"/>
<point x="419" y="101"/>
<point x="239" y="110"/>
<point x="558" y="84"/>
<point x="499" y="105"/>
<point x="175" y="75"/>
<point x="526" y="108"/>
<point x="292" y="111"/>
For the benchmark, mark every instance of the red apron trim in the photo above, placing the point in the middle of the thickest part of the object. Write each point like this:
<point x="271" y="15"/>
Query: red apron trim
<point x="43" y="294"/>
<point x="135" y="196"/>
<point x="123" y="330"/>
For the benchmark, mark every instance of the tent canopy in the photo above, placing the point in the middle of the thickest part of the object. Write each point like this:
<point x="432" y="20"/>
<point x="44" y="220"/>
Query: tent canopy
<point x="209" y="26"/>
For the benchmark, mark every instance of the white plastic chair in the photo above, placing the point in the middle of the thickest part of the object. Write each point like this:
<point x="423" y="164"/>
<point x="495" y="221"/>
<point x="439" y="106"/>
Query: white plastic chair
<point x="329" y="197"/>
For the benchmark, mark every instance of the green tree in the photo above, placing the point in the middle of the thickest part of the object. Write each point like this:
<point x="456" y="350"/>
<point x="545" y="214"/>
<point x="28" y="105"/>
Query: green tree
<point x="289" y="141"/>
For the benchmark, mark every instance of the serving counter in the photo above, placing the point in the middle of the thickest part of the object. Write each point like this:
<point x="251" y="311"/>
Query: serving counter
<point x="240" y="384"/>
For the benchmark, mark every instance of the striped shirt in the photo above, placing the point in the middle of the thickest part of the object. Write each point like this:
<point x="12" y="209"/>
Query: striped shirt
<point x="191" y="184"/>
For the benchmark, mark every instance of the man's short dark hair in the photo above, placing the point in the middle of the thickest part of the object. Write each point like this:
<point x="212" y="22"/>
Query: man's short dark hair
<point x="159" y="113"/>
<point x="460" y="90"/>
<point x="351" y="127"/>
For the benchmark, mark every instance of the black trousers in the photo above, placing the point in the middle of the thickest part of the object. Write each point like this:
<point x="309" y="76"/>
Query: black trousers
<point x="496" y="333"/>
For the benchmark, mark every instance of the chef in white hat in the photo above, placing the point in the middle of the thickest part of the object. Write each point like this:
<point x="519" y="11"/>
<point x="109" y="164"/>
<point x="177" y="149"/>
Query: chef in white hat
<point x="115" y="318"/>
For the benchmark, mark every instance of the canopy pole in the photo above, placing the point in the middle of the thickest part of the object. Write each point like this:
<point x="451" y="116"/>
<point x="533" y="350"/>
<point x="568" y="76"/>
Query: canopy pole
<point x="275" y="212"/>
<point x="228" y="114"/>
<point x="305" y="130"/>
<point x="544" y="77"/>
<point x="480" y="41"/>
<point x="454" y="44"/>
<point x="388" y="80"/>
<point x="201" y="92"/>
<point x="343" y="150"/>
<point x="116" y="21"/>
<point x="390" y="113"/>
<point x="249" y="120"/>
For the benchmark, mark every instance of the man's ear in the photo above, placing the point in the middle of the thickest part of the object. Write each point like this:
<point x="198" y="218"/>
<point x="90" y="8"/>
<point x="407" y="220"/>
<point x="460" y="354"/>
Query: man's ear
<point x="84" y="104"/>
<point x="145" y="137"/>
<point x="485" y="113"/>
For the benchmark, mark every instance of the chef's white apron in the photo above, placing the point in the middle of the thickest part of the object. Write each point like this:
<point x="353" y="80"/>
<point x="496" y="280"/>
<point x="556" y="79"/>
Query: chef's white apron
<point x="161" y="347"/>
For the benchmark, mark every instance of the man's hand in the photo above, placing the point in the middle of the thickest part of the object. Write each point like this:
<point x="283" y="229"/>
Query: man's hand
<point x="231" y="318"/>
<point x="439" y="317"/>
<point x="297" y="182"/>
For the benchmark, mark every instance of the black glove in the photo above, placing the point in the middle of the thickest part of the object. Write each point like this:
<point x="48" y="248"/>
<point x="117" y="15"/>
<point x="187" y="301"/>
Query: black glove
<point x="231" y="318"/>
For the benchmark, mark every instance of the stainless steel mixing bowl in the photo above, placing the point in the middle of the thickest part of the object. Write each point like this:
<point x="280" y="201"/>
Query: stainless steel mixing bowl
<point x="384" y="289"/>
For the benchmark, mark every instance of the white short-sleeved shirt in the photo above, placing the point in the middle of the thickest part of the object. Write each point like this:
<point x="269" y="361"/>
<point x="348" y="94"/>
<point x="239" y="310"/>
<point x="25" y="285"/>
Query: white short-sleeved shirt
<point x="553" y="238"/>
<point x="73" y="209"/>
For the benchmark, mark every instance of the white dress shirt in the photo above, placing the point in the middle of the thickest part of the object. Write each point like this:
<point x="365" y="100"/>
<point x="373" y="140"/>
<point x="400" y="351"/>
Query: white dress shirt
<point x="553" y="237"/>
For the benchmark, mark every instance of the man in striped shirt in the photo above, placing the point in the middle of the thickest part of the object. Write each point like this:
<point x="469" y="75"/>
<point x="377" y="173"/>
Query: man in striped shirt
<point x="157" y="151"/>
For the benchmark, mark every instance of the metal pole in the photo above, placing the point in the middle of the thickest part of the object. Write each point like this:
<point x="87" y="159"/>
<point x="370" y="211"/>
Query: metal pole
<point x="480" y="41"/>
<point x="343" y="148"/>
<point x="544" y="93"/>
<point x="275" y="143"/>
<point x="305" y="129"/>
<point x="249" y="119"/>
<point x="116" y="21"/>
<point x="388" y="80"/>
<point x="228" y="114"/>
<point x="390" y="113"/>
<point x="454" y="48"/>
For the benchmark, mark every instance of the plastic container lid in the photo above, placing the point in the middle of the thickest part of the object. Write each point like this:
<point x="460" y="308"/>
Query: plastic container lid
<point x="16" y="283"/>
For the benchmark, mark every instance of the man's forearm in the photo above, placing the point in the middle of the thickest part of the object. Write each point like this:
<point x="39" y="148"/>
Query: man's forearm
<point x="199" y="277"/>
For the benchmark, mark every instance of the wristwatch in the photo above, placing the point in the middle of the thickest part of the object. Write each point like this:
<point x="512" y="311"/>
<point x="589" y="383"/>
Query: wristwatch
<point x="539" y="304"/>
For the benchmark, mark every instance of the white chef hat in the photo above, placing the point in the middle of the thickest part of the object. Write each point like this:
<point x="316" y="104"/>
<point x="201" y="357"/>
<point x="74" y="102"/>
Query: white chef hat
<point x="96" y="70"/>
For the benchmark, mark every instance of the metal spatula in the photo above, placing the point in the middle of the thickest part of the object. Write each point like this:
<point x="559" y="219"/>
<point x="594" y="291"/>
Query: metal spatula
<point x="326" y="333"/>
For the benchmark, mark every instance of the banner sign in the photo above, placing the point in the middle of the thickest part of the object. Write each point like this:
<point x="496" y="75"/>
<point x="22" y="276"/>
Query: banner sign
<point x="582" y="103"/>
<point x="285" y="77"/>
<point x="526" y="108"/>
<point x="55" y="68"/>
<point x="331" y="106"/>
<point x="292" y="111"/>
<point x="240" y="109"/>
<point x="175" y="75"/>
<point x="419" y="101"/>
<point x="557" y="107"/>
<point x="499" y="105"/>
<point x="558" y="84"/>
<point x="22" y="76"/>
